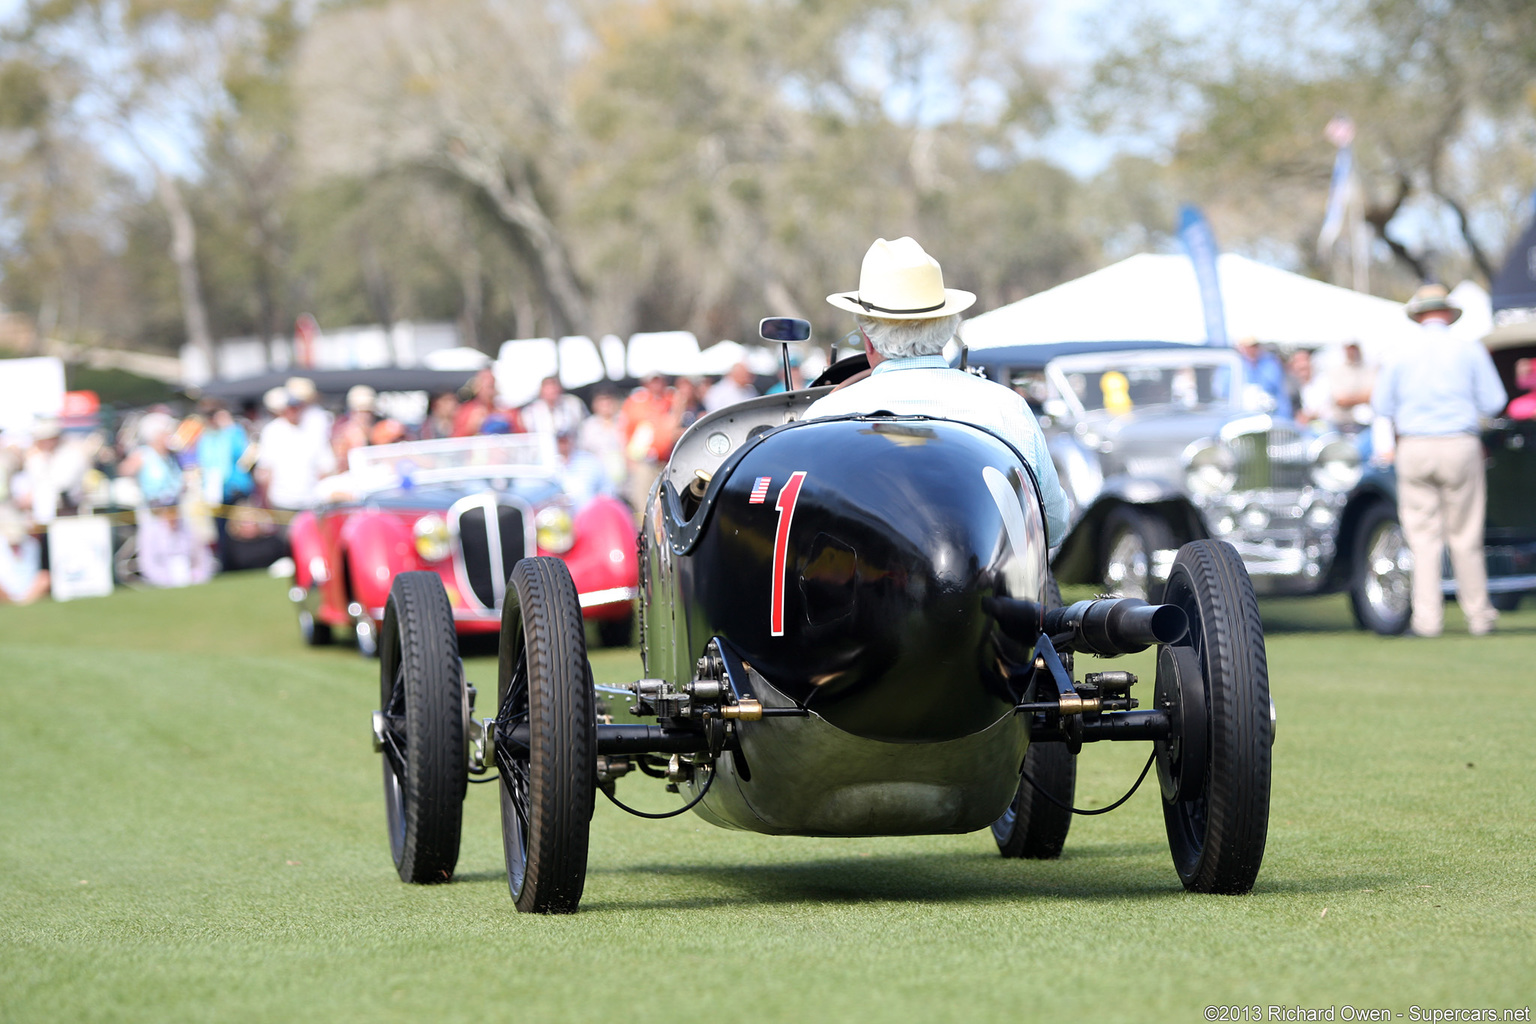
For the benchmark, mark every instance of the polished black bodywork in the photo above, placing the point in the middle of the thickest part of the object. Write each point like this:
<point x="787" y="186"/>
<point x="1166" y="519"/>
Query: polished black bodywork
<point x="903" y="528"/>
<point x="895" y="541"/>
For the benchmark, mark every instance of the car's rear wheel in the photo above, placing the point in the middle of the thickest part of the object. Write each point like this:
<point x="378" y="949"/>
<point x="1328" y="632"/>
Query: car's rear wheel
<point x="1215" y="770"/>
<point x="1381" y="578"/>
<point x="422" y="728"/>
<point x="1508" y="601"/>
<point x="547" y="787"/>
<point x="1033" y="826"/>
<point x="1126" y="552"/>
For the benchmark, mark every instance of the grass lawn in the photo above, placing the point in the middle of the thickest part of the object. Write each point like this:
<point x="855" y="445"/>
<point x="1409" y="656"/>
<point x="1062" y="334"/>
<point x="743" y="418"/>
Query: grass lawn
<point x="191" y="828"/>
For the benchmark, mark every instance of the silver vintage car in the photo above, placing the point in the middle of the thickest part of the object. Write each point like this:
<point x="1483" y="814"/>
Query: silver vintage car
<point x="1157" y="444"/>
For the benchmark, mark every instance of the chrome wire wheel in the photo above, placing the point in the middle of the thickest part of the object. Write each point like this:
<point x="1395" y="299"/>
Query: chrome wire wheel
<point x="1128" y="541"/>
<point x="1127" y="566"/>
<point x="1381" y="576"/>
<point x="1388" y="571"/>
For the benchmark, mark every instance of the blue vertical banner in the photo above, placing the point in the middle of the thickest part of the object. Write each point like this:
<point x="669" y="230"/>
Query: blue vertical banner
<point x="1200" y="243"/>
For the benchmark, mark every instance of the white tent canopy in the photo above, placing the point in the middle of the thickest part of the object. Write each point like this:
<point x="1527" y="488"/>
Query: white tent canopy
<point x="1154" y="297"/>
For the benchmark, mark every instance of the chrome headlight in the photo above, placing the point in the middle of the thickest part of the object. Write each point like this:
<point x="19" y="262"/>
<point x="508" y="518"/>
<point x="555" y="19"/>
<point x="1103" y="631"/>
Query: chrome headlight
<point x="432" y="541"/>
<point x="1336" y="465"/>
<point x="554" y="529"/>
<point x="1209" y="469"/>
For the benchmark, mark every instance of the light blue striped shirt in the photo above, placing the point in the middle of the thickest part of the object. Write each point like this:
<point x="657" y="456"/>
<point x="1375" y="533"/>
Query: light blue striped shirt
<point x="928" y="386"/>
<point x="1439" y="385"/>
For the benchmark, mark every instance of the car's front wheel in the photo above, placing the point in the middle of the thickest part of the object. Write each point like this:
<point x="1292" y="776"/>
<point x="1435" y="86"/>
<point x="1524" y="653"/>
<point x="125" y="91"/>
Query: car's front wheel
<point x="1127" y="547"/>
<point x="314" y="632"/>
<point x="1381" y="579"/>
<point x="544" y="692"/>
<point x="421" y="728"/>
<point x="1215" y="767"/>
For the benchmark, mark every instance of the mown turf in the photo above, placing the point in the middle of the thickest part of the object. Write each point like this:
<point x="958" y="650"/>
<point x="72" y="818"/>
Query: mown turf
<point x="191" y="828"/>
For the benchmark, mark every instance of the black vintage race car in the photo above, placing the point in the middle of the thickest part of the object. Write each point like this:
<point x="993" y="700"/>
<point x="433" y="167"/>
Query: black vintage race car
<point x="849" y="629"/>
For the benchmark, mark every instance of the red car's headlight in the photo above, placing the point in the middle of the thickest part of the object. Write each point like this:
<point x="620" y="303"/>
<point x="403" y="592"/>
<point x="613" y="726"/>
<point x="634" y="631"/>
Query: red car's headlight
<point x="432" y="541"/>
<point x="555" y="529"/>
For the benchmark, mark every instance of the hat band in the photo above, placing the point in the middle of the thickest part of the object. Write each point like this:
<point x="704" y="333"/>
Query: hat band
<point x="871" y="306"/>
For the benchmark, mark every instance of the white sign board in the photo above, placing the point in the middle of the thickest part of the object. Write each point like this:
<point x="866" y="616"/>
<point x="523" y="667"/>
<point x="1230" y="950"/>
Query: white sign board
<point x="30" y="388"/>
<point x="80" y="557"/>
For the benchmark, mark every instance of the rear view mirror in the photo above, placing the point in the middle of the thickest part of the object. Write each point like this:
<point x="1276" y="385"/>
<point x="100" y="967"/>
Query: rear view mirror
<point x="784" y="328"/>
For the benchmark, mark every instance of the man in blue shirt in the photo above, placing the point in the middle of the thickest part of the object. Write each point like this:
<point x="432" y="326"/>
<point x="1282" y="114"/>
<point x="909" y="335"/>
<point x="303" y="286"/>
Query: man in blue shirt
<point x="906" y="316"/>
<point x="1434" y="394"/>
<point x="1264" y="377"/>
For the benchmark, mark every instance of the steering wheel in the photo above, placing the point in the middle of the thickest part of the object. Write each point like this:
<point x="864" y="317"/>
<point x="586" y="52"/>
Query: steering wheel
<point x="841" y="370"/>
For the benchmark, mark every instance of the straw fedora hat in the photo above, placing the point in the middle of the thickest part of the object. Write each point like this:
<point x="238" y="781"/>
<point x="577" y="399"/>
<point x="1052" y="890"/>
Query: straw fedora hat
<point x="1432" y="298"/>
<point x="899" y="281"/>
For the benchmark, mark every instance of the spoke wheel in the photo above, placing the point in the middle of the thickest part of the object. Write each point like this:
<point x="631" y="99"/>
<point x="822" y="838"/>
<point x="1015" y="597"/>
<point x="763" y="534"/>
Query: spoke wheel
<point x="1129" y="539"/>
<point x="1032" y="826"/>
<point x="423" y="702"/>
<point x="548" y="787"/>
<point x="1381" y="589"/>
<point x="1217" y="824"/>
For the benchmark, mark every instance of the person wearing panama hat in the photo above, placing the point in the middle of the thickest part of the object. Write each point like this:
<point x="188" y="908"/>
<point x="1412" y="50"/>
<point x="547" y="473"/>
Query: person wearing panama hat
<point x="905" y="317"/>
<point x="1432" y="302"/>
<point x="1434" y="393"/>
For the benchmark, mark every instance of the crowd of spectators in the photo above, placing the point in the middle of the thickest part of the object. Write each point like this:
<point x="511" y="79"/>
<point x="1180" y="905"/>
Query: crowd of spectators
<point x="213" y="487"/>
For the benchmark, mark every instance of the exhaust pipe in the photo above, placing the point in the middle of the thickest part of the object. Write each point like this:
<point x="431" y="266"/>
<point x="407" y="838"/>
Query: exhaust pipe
<point x="1113" y="626"/>
<point x="1107" y="627"/>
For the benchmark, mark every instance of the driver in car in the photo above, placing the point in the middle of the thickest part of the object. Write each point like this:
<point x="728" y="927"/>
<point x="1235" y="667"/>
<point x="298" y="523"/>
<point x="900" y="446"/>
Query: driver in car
<point x="906" y="316"/>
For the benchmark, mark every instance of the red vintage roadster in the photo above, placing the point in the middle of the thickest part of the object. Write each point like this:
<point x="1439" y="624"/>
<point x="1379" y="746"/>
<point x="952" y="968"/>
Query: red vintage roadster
<point x="466" y="509"/>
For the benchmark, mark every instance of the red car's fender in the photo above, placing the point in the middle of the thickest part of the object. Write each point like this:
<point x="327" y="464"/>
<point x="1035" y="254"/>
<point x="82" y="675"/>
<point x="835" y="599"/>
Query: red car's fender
<point x="378" y="546"/>
<point x="604" y="555"/>
<point x="305" y="544"/>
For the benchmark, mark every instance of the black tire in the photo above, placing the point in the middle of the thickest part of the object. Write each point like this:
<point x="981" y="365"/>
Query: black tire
<point x="314" y="632"/>
<point x="548" y="789"/>
<point x="616" y="632"/>
<point x="1033" y="826"/>
<point x="1380" y="588"/>
<point x="1126" y="543"/>
<point x="1507" y="601"/>
<point x="1217" y="835"/>
<point x="367" y="635"/>
<point x="421" y="688"/>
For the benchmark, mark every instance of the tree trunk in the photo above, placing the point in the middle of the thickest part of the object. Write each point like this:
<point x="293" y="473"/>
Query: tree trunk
<point x="520" y="211"/>
<point x="184" y="255"/>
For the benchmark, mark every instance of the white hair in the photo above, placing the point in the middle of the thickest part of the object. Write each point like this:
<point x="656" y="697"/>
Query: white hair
<point x="154" y="426"/>
<point x="897" y="339"/>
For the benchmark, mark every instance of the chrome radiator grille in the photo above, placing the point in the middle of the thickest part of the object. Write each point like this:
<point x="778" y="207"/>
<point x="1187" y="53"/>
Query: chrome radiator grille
<point x="490" y="540"/>
<point x="1273" y="458"/>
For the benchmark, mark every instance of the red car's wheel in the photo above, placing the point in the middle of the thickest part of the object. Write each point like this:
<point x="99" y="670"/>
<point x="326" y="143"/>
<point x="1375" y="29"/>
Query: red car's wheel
<point x="422" y="728"/>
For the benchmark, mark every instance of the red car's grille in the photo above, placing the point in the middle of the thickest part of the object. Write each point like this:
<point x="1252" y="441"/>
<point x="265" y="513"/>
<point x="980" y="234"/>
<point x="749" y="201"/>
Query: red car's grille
<point x="488" y="558"/>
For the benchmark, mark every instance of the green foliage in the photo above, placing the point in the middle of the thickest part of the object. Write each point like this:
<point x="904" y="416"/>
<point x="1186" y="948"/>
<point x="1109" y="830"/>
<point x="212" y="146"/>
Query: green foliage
<point x="1439" y="92"/>
<point x="24" y="98"/>
<point x="526" y="167"/>
<point x="118" y="388"/>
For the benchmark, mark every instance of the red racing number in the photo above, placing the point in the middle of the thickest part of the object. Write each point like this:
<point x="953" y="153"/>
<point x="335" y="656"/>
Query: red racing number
<point x="788" y="496"/>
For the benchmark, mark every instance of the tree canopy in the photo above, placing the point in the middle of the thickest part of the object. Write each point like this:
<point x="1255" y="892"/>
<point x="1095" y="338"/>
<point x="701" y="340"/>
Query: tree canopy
<point x="184" y="169"/>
